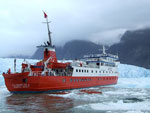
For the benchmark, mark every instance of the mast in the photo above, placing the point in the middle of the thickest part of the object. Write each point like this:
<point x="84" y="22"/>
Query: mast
<point x="49" y="33"/>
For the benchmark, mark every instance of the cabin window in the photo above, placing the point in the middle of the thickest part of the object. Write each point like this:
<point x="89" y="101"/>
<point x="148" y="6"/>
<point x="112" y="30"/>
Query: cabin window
<point x="87" y="71"/>
<point x="76" y="70"/>
<point x="74" y="80"/>
<point x="82" y="71"/>
<point x="96" y="71"/>
<point x="80" y="80"/>
<point x="103" y="71"/>
<point x="91" y="71"/>
<point x="71" y="80"/>
<point x="79" y="70"/>
<point x="97" y="64"/>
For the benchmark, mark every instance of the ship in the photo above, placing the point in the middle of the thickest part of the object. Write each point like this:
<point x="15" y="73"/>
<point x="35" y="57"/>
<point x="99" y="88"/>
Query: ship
<point x="50" y="75"/>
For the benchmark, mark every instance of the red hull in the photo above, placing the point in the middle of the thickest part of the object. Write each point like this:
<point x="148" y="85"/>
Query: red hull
<point x="22" y="83"/>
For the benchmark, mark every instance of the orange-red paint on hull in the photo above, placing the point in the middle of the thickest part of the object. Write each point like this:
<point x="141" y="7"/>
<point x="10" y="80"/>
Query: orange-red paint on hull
<point x="23" y="82"/>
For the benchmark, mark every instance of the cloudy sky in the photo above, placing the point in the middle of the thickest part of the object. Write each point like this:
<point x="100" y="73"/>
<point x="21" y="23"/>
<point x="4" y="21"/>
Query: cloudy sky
<point x="100" y="21"/>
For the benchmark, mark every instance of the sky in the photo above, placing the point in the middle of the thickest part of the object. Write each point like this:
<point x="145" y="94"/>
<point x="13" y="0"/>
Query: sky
<point x="99" y="21"/>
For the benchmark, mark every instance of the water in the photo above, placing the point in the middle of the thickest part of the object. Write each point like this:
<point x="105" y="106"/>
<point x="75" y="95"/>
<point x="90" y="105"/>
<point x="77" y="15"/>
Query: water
<point x="130" y="95"/>
<point x="113" y="99"/>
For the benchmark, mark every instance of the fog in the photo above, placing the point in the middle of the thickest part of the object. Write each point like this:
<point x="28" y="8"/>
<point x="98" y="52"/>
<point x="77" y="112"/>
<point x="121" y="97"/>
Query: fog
<point x="100" y="21"/>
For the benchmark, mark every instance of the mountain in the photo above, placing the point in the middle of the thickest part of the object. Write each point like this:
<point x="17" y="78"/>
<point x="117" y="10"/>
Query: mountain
<point x="134" y="48"/>
<point x="72" y="50"/>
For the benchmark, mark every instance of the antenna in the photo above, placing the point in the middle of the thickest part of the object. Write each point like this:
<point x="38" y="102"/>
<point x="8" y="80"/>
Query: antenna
<point x="103" y="50"/>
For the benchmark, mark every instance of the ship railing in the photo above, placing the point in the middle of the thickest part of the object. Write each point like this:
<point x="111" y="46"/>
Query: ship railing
<point x="36" y="73"/>
<point x="101" y="55"/>
<point x="39" y="73"/>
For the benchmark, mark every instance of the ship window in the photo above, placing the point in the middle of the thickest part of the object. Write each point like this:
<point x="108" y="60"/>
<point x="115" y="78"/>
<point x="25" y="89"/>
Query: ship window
<point x="99" y="71"/>
<point x="64" y="80"/>
<point x="76" y="70"/>
<point x="24" y="80"/>
<point x="77" y="80"/>
<point x="103" y="71"/>
<point x="71" y="80"/>
<point x="74" y="80"/>
<point x="80" y="79"/>
<point x="97" y="64"/>
<point x="96" y="71"/>
<point x="91" y="71"/>
<point x="87" y="71"/>
<point x="85" y="79"/>
<point x="82" y="70"/>
<point x="79" y="70"/>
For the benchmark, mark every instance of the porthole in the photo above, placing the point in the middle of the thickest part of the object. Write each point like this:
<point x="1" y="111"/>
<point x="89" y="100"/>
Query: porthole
<point x="64" y="80"/>
<point x="25" y="80"/>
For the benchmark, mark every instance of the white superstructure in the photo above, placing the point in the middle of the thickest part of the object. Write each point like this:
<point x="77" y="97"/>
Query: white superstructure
<point x="96" y="65"/>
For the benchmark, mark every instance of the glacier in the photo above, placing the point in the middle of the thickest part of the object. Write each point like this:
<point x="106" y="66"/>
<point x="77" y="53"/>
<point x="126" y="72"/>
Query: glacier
<point x="130" y="71"/>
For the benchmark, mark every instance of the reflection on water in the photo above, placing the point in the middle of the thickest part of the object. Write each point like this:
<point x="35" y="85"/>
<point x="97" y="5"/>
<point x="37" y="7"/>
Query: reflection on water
<point x="36" y="103"/>
<point x="88" y="100"/>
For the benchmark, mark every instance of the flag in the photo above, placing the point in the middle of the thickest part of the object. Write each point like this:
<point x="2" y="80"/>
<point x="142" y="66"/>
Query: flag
<point x="45" y="15"/>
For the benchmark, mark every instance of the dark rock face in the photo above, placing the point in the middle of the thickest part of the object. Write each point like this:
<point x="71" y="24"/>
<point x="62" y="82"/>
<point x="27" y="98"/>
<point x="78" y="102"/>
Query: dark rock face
<point x="134" y="48"/>
<point x="72" y="50"/>
<point x="78" y="48"/>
